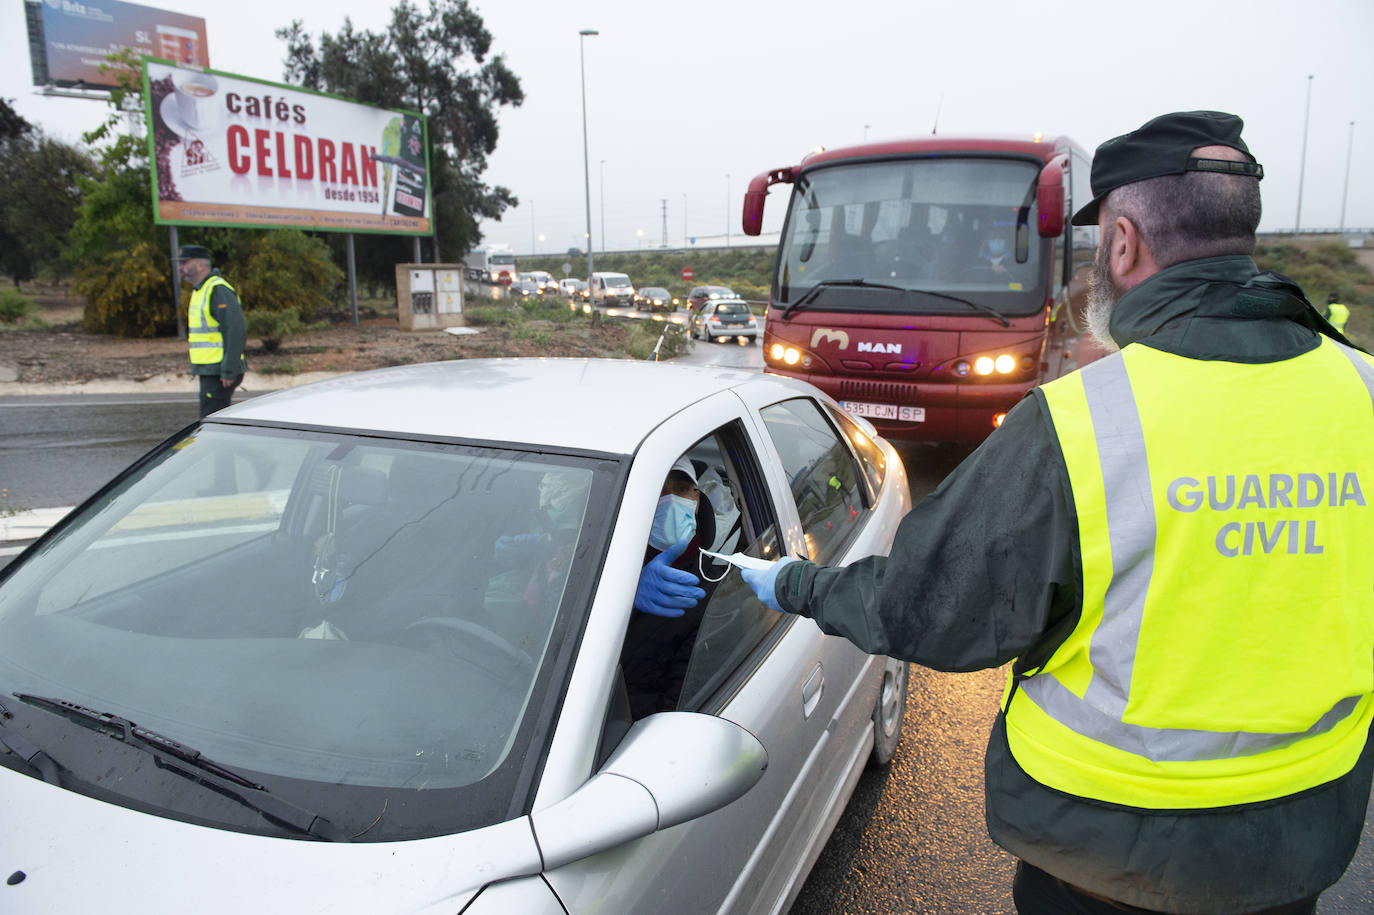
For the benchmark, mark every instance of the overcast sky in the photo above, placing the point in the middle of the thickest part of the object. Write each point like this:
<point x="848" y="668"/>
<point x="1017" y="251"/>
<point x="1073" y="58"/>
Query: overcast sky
<point x="686" y="102"/>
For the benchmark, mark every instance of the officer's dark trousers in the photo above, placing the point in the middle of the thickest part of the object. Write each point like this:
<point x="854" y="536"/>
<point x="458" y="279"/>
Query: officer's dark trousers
<point x="213" y="395"/>
<point x="1038" y="893"/>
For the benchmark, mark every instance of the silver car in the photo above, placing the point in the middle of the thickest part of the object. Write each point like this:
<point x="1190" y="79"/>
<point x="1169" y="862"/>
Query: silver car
<point x="360" y="646"/>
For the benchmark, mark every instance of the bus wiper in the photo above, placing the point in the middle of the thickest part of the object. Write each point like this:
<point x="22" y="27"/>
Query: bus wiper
<point x="225" y="781"/>
<point x="811" y="293"/>
<point x="976" y="306"/>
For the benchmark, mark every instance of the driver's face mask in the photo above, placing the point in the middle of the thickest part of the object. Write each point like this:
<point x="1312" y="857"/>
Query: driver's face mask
<point x="675" y="517"/>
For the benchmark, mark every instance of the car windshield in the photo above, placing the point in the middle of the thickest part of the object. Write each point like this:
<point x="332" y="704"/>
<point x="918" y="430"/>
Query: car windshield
<point x="732" y="308"/>
<point x="718" y="292"/>
<point x="874" y="236"/>
<point x="353" y="621"/>
<point x="617" y="281"/>
<point x="654" y="292"/>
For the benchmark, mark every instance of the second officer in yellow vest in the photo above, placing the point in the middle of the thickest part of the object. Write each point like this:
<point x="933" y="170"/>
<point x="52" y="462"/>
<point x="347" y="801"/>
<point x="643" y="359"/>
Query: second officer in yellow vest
<point x="215" y="330"/>
<point x="1172" y="547"/>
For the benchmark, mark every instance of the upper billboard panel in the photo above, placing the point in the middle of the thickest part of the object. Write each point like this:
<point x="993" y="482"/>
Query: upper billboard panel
<point x="229" y="150"/>
<point x="79" y="36"/>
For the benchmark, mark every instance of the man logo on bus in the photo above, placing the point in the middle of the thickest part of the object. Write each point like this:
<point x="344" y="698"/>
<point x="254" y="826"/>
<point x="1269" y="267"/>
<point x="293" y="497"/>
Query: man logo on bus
<point x="866" y="347"/>
<point x="838" y="337"/>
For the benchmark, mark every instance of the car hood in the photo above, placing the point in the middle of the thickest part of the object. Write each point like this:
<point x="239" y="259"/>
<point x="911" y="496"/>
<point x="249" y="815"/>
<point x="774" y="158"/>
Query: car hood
<point x="78" y="854"/>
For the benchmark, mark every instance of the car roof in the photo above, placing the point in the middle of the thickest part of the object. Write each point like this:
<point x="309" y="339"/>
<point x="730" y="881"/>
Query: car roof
<point x="597" y="405"/>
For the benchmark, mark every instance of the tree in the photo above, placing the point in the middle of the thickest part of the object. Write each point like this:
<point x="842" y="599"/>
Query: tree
<point x="40" y="203"/>
<point x="418" y="63"/>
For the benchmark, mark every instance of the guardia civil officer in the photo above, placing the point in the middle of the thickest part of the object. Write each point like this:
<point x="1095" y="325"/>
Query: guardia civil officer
<point x="215" y="330"/>
<point x="1172" y="547"/>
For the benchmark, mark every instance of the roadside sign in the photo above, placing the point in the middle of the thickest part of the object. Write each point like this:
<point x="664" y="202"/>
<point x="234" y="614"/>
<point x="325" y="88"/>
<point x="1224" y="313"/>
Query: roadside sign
<point x="687" y="274"/>
<point x="567" y="268"/>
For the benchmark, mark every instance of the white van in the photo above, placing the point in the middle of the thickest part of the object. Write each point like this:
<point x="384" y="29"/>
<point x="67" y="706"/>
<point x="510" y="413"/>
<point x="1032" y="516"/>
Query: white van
<point x="612" y="289"/>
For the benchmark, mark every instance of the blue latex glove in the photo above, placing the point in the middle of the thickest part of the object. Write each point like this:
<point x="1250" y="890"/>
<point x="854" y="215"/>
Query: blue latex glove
<point x="513" y="548"/>
<point x="664" y="590"/>
<point x="764" y="582"/>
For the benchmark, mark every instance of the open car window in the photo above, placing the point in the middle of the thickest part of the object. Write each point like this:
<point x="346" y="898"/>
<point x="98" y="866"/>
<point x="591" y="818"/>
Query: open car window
<point x="681" y="663"/>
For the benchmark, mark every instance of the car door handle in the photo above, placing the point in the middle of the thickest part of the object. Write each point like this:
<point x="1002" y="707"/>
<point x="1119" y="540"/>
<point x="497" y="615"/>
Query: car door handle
<point x="811" y="691"/>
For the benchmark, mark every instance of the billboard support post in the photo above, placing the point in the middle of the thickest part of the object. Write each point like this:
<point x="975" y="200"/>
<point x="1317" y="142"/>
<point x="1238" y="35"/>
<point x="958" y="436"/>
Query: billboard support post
<point x="352" y="278"/>
<point x="176" y="283"/>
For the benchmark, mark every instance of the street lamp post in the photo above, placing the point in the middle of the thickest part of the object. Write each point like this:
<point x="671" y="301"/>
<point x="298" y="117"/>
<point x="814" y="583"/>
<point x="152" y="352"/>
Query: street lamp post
<point x="684" y="220"/>
<point x="727" y="211"/>
<point x="1345" y="191"/>
<point x="586" y="160"/>
<point x="1302" y="163"/>
<point x="603" y="206"/>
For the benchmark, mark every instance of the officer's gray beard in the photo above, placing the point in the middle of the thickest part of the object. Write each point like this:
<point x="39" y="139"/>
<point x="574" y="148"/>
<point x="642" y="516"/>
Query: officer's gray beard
<point x="1102" y="296"/>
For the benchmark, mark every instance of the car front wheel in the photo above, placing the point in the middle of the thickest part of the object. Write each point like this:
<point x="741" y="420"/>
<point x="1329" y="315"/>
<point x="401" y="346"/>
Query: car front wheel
<point x="889" y="711"/>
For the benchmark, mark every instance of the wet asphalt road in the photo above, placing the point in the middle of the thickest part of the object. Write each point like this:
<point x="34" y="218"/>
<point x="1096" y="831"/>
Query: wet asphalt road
<point x="912" y="838"/>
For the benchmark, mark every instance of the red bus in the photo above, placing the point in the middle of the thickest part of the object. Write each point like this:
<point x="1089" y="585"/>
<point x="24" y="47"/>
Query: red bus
<point x="928" y="284"/>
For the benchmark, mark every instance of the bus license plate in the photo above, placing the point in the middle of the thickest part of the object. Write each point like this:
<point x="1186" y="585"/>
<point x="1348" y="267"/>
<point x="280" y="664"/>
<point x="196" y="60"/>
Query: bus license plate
<point x="885" y="411"/>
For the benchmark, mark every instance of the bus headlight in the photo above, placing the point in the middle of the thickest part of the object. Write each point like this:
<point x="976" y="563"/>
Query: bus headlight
<point x="1005" y="364"/>
<point x="788" y="355"/>
<point x="984" y="365"/>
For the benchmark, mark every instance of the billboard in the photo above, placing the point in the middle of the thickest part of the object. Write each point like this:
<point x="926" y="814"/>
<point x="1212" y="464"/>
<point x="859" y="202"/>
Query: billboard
<point x="230" y="150"/>
<point x="77" y="37"/>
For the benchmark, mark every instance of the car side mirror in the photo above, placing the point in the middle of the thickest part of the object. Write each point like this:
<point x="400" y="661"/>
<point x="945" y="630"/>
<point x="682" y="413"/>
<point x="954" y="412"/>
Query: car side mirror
<point x="670" y="768"/>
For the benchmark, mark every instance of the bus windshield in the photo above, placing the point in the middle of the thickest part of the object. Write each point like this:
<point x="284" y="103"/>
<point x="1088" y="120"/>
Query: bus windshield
<point x="875" y="236"/>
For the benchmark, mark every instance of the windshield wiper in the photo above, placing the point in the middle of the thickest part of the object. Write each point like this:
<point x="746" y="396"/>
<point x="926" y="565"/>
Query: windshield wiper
<point x="811" y="293"/>
<point x="976" y="306"/>
<point x="32" y="754"/>
<point x="227" y="782"/>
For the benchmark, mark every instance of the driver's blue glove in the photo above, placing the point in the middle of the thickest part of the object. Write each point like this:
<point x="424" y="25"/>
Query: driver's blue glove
<point x="764" y="582"/>
<point x="664" y="590"/>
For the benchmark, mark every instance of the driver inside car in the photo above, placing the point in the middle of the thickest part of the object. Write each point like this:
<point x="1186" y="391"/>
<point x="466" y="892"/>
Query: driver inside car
<point x="670" y="597"/>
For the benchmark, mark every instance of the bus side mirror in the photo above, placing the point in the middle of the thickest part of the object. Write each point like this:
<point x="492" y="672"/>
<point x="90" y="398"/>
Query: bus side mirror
<point x="1049" y="198"/>
<point x="756" y="195"/>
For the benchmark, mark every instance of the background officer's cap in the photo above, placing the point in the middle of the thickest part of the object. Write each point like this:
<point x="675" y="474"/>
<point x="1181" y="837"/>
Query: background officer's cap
<point x="192" y="252"/>
<point x="1164" y="146"/>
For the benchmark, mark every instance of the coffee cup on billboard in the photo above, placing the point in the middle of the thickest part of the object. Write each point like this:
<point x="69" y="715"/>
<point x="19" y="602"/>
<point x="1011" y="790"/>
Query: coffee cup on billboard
<point x="195" y="93"/>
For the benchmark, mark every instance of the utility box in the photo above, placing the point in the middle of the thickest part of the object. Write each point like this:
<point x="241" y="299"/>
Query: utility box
<point x="429" y="296"/>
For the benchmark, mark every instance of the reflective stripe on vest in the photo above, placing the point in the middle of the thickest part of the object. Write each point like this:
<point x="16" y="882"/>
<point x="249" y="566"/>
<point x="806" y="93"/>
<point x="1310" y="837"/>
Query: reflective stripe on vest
<point x="1205" y="708"/>
<point x="202" y="330"/>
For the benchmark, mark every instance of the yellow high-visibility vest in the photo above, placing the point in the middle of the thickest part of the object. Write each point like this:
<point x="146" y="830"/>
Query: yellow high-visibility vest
<point x="1339" y="315"/>
<point x="1225" y="650"/>
<point x="202" y="330"/>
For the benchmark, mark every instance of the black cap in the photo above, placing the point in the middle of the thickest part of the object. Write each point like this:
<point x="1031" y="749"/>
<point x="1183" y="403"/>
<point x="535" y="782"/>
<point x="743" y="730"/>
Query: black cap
<point x="1164" y="146"/>
<point x="192" y="252"/>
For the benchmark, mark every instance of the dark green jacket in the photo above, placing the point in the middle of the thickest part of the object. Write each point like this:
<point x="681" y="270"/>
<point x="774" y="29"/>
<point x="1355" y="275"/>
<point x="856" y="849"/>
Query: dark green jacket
<point x="987" y="569"/>
<point x="225" y="308"/>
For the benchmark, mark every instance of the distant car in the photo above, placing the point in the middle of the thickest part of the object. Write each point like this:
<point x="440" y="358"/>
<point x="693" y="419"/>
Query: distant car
<point x="524" y="287"/>
<point x="573" y="288"/>
<point x="357" y="646"/>
<point x="701" y="294"/>
<point x="725" y="320"/>
<point x="654" y="299"/>
<point x="547" y="284"/>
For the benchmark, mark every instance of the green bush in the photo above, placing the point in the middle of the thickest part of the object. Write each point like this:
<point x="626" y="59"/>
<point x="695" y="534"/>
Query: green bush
<point x="15" y="306"/>
<point x="283" y="269"/>
<point x="128" y="291"/>
<point x="274" y="326"/>
<point x="494" y="315"/>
